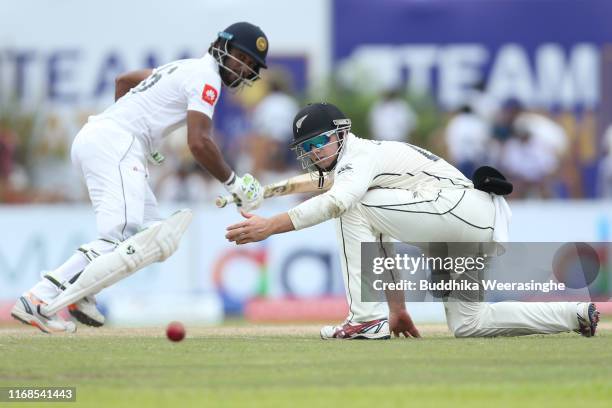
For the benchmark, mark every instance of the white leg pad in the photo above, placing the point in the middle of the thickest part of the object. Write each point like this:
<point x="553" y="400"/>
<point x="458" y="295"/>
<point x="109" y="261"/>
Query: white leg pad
<point x="171" y="232"/>
<point x="153" y="244"/>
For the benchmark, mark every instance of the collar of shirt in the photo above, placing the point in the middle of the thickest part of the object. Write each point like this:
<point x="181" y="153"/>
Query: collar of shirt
<point x="345" y="145"/>
<point x="211" y="62"/>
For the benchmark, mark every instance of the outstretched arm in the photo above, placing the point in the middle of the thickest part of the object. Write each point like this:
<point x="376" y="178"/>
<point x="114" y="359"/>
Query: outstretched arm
<point x="311" y="212"/>
<point x="257" y="228"/>
<point x="125" y="82"/>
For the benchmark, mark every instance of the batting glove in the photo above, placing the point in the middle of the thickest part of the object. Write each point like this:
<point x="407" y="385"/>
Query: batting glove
<point x="246" y="190"/>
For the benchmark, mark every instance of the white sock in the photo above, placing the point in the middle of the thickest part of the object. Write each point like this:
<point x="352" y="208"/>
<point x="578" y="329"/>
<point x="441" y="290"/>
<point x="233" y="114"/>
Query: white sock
<point x="45" y="290"/>
<point x="48" y="288"/>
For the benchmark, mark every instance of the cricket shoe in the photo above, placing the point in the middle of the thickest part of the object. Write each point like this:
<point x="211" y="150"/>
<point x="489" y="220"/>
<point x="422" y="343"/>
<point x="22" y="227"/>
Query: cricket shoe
<point x="27" y="311"/>
<point x="588" y="317"/>
<point x="372" y="330"/>
<point x="86" y="312"/>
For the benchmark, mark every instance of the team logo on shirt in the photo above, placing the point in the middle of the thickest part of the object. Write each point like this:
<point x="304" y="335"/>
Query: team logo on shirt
<point x="209" y="94"/>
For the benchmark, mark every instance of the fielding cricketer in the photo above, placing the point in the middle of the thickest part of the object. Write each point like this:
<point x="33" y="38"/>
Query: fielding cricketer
<point x="385" y="190"/>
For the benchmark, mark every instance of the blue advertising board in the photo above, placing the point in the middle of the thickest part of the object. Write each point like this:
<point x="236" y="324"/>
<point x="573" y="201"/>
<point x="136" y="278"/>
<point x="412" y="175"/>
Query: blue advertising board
<point x="545" y="53"/>
<point x="552" y="56"/>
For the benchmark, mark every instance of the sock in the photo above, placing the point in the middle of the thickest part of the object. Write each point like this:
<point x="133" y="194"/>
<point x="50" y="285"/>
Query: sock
<point x="54" y="281"/>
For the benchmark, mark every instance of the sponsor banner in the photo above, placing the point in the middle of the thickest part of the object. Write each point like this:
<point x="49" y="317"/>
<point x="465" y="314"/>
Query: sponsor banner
<point x="486" y="53"/>
<point x="326" y="309"/>
<point x="45" y="63"/>
<point x="446" y="47"/>
<point x="561" y="221"/>
<point x="297" y="265"/>
<point x="301" y="265"/>
<point x="331" y="309"/>
<point x="161" y="308"/>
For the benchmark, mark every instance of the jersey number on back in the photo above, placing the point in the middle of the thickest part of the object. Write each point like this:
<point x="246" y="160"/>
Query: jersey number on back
<point x="154" y="77"/>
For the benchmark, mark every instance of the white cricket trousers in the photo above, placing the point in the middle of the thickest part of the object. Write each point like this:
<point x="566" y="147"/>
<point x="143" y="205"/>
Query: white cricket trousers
<point x="446" y="215"/>
<point x="114" y="167"/>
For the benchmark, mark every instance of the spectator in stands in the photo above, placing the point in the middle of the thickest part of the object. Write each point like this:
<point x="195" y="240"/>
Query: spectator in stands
<point x="467" y="141"/>
<point x="188" y="184"/>
<point x="504" y="120"/>
<point x="271" y="121"/>
<point x="7" y="148"/>
<point x="547" y="131"/>
<point x="605" y="166"/>
<point x="13" y="180"/>
<point x="532" y="150"/>
<point x="530" y="163"/>
<point x="52" y="174"/>
<point x="392" y="118"/>
<point x="483" y="103"/>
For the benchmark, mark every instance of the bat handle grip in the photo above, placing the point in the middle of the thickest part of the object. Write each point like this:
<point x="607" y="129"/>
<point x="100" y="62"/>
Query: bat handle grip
<point x="222" y="201"/>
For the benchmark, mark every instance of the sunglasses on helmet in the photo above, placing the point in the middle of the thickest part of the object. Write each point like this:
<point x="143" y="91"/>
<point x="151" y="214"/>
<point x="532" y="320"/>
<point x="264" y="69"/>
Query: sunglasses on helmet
<point x="317" y="142"/>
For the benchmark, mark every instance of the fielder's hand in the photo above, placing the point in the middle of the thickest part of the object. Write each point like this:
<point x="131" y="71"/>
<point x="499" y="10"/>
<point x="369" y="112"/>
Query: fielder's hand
<point x="400" y="322"/>
<point x="248" y="192"/>
<point x="254" y="229"/>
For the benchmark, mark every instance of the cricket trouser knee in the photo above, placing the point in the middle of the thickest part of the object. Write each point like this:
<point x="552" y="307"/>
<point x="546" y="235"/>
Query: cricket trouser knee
<point x="352" y="230"/>
<point x="477" y="319"/>
<point x="154" y="244"/>
<point x="151" y="212"/>
<point x="116" y="177"/>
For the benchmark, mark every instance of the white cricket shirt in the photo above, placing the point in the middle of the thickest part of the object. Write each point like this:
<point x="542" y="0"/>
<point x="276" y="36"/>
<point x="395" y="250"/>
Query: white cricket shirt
<point x="159" y="104"/>
<point x="366" y="164"/>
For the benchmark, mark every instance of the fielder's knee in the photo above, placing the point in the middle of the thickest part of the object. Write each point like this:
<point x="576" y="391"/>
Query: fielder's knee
<point x="466" y="329"/>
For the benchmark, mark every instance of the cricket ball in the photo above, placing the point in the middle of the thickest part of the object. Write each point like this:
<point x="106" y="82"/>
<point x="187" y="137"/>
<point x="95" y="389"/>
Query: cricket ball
<point x="175" y="331"/>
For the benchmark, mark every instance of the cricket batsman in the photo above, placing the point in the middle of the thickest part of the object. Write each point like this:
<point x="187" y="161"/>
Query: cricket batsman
<point x="385" y="190"/>
<point x="112" y="151"/>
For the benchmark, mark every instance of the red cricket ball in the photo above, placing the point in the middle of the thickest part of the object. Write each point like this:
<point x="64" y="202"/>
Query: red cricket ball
<point x="175" y="331"/>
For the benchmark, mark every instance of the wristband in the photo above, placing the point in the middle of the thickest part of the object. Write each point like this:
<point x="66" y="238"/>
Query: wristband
<point x="231" y="180"/>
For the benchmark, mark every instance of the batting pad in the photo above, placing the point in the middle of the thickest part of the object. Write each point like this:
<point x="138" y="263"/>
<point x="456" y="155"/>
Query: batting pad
<point x="154" y="244"/>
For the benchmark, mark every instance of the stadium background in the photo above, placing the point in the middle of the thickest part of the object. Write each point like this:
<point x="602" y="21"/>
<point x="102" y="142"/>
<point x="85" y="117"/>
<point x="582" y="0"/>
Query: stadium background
<point x="58" y="61"/>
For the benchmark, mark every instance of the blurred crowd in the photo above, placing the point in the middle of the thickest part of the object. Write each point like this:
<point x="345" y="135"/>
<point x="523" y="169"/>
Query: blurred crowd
<point x="545" y="155"/>
<point x="542" y="153"/>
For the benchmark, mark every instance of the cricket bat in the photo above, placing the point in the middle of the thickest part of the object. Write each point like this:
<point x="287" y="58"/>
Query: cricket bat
<point x="294" y="185"/>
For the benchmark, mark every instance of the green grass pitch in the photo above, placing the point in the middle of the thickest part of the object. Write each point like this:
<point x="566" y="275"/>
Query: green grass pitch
<point x="282" y="366"/>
